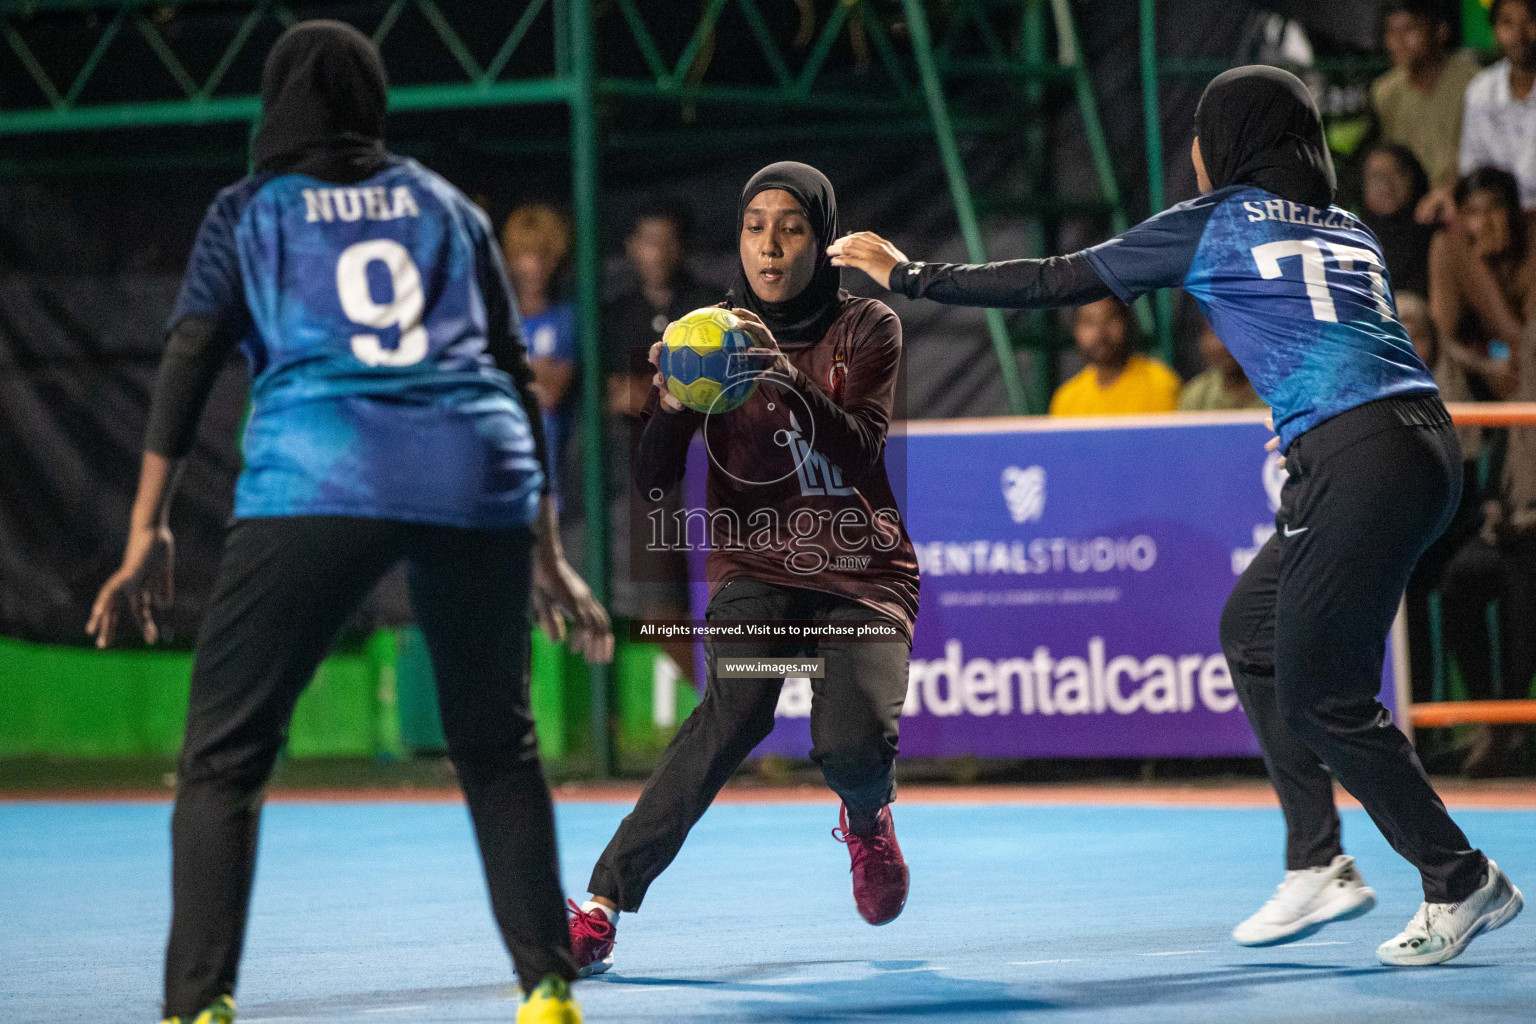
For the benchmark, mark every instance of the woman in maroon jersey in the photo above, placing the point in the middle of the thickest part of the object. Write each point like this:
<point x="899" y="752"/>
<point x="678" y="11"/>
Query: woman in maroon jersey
<point x="804" y="528"/>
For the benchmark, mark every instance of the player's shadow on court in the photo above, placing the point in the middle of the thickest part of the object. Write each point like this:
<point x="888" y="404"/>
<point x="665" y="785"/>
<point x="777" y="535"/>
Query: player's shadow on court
<point x="931" y="995"/>
<point x="744" y="974"/>
<point x="896" y="989"/>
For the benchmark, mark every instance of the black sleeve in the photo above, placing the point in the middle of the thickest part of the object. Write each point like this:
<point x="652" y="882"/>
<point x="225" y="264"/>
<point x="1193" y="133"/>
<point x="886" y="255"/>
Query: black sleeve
<point x="663" y="453"/>
<point x="1012" y="284"/>
<point x="504" y="343"/>
<point x="195" y="352"/>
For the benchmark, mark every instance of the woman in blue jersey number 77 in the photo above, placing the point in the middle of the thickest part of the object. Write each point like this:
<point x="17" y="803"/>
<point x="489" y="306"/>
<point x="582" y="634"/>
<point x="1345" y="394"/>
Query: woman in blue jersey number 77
<point x="1297" y="290"/>
<point x="391" y="420"/>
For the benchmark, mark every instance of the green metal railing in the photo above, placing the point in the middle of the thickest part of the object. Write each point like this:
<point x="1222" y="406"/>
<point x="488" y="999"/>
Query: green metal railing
<point x="584" y="184"/>
<point x="960" y="192"/>
<point x="677" y="78"/>
<point x="1027" y="66"/>
<point x="199" y="102"/>
<point x="890" y="105"/>
<point x="547" y="53"/>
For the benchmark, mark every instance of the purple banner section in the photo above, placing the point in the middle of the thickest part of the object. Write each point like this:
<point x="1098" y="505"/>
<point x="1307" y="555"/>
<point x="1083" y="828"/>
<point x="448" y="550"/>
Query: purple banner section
<point x="1073" y="575"/>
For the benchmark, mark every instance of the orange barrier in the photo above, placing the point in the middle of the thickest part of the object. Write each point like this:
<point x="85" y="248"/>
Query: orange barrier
<point x="1493" y="414"/>
<point x="1465" y="712"/>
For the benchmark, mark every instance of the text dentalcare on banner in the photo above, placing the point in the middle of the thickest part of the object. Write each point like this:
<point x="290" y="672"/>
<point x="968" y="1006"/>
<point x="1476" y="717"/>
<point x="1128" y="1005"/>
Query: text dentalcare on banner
<point x="1073" y="576"/>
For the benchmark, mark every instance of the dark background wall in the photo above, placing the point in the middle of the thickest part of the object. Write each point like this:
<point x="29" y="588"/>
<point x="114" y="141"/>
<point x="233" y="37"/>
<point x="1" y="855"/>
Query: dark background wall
<point x="94" y="230"/>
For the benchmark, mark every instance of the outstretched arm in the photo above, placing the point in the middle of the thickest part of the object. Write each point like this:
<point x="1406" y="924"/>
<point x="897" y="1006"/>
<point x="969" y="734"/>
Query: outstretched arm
<point x="1011" y="284"/>
<point x="1156" y="253"/>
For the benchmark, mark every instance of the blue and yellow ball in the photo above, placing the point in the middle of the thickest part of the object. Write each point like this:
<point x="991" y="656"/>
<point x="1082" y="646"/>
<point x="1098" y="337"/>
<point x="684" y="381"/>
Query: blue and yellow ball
<point x="702" y="361"/>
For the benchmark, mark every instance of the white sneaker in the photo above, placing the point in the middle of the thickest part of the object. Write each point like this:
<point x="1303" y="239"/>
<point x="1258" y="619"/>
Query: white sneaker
<point x="1440" y="931"/>
<point x="1306" y="901"/>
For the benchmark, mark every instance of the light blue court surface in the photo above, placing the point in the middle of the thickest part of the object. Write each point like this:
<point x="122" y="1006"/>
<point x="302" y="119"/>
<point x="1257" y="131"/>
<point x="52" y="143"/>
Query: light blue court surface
<point x="368" y="913"/>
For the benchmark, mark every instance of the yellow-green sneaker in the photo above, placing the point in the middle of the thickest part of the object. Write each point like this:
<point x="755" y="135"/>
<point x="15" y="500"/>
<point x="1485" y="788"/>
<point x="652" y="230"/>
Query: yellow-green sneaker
<point x="550" y="1003"/>
<point x="220" y="1011"/>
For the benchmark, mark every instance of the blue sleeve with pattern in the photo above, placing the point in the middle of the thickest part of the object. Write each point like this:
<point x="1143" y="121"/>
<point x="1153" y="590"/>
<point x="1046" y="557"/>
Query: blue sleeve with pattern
<point x="1158" y="252"/>
<point x="213" y="287"/>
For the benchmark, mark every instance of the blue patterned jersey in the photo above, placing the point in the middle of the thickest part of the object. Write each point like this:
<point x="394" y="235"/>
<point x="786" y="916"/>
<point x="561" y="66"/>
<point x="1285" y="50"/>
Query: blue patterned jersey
<point x="364" y="312"/>
<point x="1300" y="297"/>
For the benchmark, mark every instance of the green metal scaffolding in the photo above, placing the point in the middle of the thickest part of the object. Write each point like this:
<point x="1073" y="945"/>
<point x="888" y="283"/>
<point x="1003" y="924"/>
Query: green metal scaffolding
<point x="850" y="76"/>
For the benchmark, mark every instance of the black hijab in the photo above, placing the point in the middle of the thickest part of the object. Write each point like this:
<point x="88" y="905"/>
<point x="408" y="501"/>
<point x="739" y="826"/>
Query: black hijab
<point x="1259" y="126"/>
<point x="323" y="94"/>
<point x="803" y="319"/>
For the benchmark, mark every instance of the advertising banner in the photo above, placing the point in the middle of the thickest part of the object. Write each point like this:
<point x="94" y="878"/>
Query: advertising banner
<point x="1073" y="576"/>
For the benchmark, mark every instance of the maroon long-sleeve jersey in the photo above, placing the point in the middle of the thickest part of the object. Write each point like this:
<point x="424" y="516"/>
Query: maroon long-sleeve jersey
<point x="797" y="491"/>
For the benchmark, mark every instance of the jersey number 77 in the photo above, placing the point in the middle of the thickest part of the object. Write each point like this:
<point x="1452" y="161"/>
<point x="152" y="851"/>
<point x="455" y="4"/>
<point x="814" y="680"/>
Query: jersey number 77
<point x="1314" y="271"/>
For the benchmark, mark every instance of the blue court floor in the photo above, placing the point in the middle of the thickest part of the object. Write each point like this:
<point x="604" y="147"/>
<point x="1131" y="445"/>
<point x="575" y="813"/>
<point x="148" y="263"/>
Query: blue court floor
<point x="376" y="912"/>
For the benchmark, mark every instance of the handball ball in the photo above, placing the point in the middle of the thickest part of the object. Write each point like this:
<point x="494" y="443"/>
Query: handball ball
<point x="702" y="361"/>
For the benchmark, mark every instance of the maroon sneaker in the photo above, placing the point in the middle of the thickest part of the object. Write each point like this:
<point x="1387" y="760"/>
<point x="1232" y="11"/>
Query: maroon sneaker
<point x="879" y="872"/>
<point x="591" y="940"/>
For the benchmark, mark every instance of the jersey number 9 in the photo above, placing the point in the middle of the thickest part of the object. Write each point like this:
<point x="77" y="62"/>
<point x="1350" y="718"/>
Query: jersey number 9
<point x="403" y="310"/>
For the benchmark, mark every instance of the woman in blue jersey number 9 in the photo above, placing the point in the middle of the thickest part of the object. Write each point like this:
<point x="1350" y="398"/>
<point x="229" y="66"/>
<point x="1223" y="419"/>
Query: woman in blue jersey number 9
<point x="1297" y="290"/>
<point x="391" y="420"/>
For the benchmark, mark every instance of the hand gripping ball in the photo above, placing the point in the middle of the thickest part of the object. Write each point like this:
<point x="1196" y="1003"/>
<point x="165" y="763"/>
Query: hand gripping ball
<point x="703" y="361"/>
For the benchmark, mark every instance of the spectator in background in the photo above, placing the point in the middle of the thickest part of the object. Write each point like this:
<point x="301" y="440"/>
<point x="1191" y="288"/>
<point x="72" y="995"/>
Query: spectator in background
<point x="1418" y="103"/>
<point x="646" y="584"/>
<point x="1499" y="564"/>
<point x="1499" y="122"/>
<point x="663" y="290"/>
<point x="1116" y="381"/>
<point x="534" y="243"/>
<point x="1450" y="376"/>
<point x="1452" y="380"/>
<point x="1394" y="185"/>
<point x="1223" y="385"/>
<point x="1482" y="282"/>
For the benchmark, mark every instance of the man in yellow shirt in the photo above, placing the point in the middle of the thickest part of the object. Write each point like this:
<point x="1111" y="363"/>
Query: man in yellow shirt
<point x="1116" y="381"/>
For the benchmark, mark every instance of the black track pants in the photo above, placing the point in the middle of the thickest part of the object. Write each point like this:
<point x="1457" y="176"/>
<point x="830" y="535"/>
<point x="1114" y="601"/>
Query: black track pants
<point x="286" y="587"/>
<point x="1312" y="837"/>
<point x="1305" y="633"/>
<point x="855" y="715"/>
